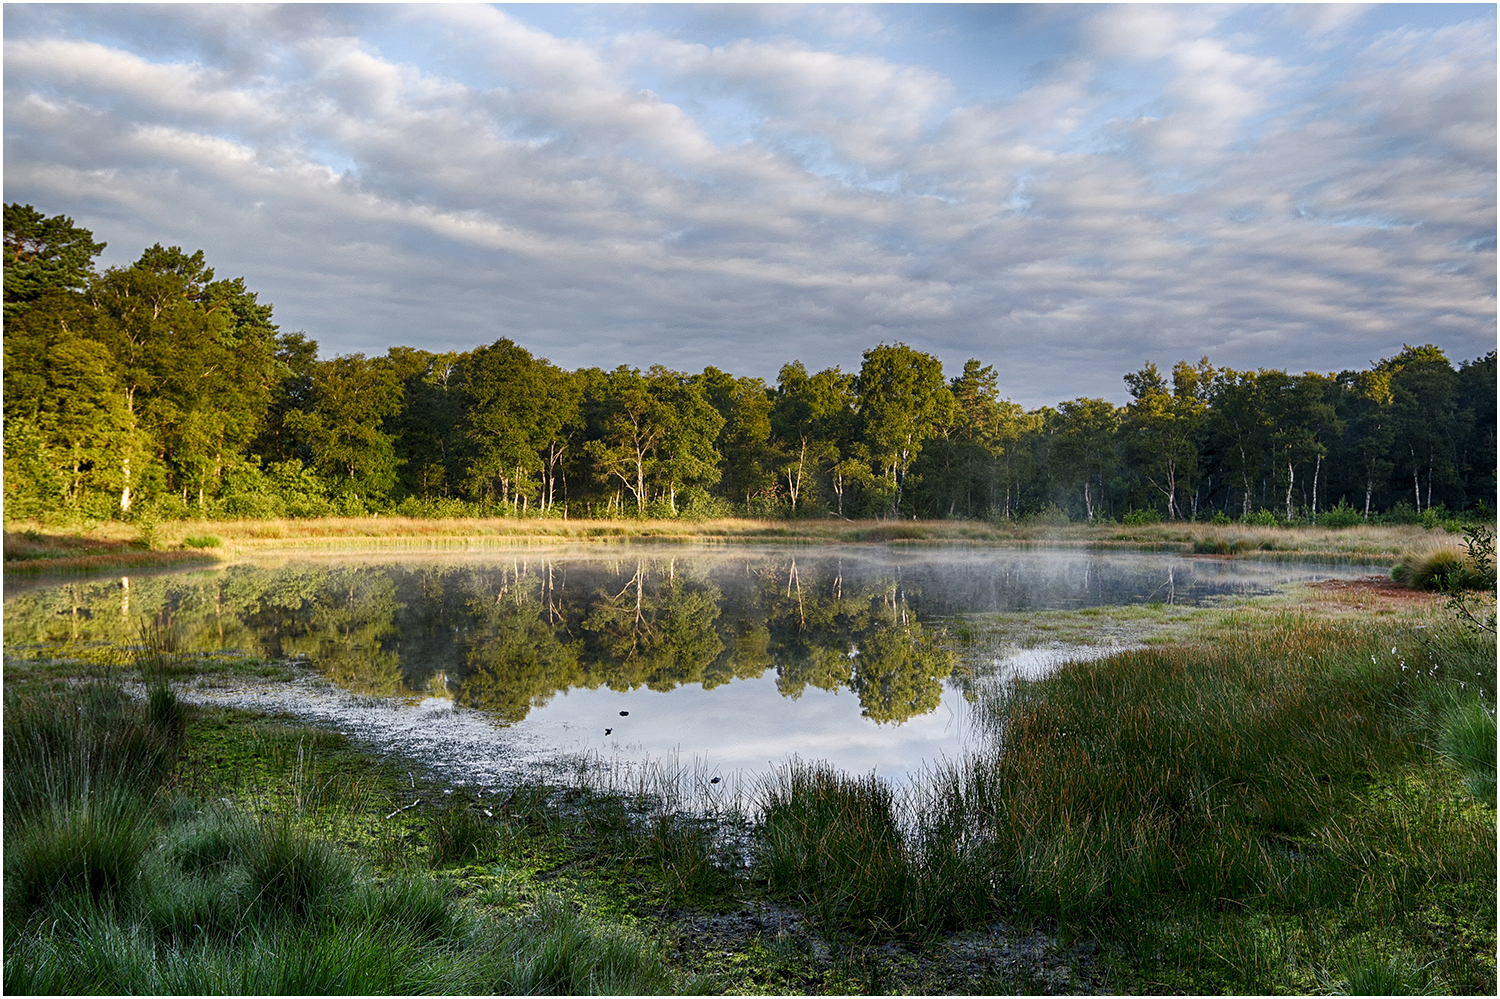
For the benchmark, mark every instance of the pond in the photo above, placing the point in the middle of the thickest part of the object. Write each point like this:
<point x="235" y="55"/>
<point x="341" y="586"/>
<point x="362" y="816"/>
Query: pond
<point x="730" y="658"/>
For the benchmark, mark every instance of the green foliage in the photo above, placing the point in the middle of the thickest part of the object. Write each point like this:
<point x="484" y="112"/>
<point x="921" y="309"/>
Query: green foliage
<point x="1477" y="572"/>
<point x="1340" y="516"/>
<point x="160" y="384"/>
<point x="201" y="541"/>
<point x="351" y="399"/>
<point x="903" y="401"/>
<point x="1134" y="518"/>
<point x="44" y="254"/>
<point x="1260" y="518"/>
<point x="1401" y="513"/>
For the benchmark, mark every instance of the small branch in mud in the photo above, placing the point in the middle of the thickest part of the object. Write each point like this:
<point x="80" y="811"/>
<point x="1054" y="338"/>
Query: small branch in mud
<point x="404" y="808"/>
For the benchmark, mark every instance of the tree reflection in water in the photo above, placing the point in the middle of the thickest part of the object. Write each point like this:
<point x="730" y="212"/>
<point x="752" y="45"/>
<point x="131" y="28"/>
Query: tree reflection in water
<point x="508" y="637"/>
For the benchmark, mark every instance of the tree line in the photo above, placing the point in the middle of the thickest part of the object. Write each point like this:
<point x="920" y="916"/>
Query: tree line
<point x="161" y="390"/>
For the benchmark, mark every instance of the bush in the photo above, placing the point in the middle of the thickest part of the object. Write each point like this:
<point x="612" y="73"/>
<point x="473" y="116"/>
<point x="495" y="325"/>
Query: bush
<point x="696" y="503"/>
<point x="1135" y="518"/>
<point x="1341" y="516"/>
<point x="1401" y="513"/>
<point x="1051" y="515"/>
<point x="201" y="541"/>
<point x="1260" y="518"/>
<point x="435" y="508"/>
<point x="1220" y="517"/>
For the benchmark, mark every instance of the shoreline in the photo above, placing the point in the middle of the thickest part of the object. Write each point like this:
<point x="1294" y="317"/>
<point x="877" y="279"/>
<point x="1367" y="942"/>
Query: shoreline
<point x="35" y="549"/>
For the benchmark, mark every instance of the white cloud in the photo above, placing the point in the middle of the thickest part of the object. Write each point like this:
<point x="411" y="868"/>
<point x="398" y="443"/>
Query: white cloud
<point x="441" y="177"/>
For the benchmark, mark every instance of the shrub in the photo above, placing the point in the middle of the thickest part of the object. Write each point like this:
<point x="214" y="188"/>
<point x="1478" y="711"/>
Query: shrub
<point x="1220" y="517"/>
<point x="1401" y="513"/>
<point x="1341" y="516"/>
<point x="201" y="541"/>
<point x="697" y="503"/>
<point x="435" y="508"/>
<point x="1056" y="516"/>
<point x="1260" y="518"/>
<point x="1135" y="518"/>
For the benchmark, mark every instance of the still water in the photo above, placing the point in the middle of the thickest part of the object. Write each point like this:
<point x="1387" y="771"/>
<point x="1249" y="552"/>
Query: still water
<point x="729" y="658"/>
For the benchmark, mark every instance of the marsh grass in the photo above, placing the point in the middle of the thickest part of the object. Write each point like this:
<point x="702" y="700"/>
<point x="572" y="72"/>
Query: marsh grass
<point x="35" y="547"/>
<point x="460" y="831"/>
<point x="1240" y="808"/>
<point x="1466" y="738"/>
<point x="113" y="885"/>
<point x="1426" y="569"/>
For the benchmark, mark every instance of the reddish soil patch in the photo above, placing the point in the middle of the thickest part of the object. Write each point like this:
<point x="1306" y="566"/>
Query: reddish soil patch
<point x="1373" y="592"/>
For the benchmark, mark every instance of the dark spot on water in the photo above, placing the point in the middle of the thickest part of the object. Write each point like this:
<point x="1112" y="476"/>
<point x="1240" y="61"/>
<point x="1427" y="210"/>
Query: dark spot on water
<point x="624" y="713"/>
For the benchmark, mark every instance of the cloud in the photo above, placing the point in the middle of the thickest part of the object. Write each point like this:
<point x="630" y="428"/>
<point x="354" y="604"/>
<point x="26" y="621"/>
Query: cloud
<point x="1175" y="181"/>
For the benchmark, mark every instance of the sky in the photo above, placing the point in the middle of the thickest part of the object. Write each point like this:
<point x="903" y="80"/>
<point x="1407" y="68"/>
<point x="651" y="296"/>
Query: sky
<point x="1063" y="192"/>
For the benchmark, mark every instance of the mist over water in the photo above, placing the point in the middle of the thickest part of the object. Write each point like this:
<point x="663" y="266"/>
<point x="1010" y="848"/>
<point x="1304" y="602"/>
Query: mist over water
<point x="730" y="658"/>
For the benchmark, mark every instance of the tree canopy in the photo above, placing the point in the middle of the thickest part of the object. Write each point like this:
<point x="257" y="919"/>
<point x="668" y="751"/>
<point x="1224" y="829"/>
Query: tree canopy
<point x="161" y="389"/>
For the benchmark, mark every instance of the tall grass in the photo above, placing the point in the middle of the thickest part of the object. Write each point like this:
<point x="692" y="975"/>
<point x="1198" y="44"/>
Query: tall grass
<point x="1426" y="569"/>
<point x="1274" y="789"/>
<point x="113" y="887"/>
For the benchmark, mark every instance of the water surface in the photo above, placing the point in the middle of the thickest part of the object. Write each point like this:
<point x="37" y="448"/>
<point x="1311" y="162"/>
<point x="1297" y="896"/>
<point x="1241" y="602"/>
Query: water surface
<point x="731" y="657"/>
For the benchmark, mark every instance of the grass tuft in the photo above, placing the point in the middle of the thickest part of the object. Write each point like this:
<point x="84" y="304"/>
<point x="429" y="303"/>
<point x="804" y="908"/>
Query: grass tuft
<point x="1426" y="570"/>
<point x="1467" y="740"/>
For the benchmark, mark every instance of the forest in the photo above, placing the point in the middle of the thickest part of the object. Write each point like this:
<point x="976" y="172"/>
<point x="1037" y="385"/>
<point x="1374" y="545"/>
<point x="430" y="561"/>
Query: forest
<point x="161" y="390"/>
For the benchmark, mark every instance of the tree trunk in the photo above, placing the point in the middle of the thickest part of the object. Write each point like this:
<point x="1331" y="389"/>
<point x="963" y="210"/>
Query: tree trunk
<point x="1317" y="469"/>
<point x="1291" y="475"/>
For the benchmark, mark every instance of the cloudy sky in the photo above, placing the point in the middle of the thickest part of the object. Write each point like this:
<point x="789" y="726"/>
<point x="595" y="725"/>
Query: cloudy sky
<point x="1063" y="192"/>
